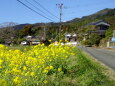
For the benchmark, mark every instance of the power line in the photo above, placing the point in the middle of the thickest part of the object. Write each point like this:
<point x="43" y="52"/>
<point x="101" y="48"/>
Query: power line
<point x="45" y="8"/>
<point x="37" y="8"/>
<point x="33" y="10"/>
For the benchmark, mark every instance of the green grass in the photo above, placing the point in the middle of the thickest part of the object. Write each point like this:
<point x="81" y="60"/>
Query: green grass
<point x="20" y="47"/>
<point x="82" y="70"/>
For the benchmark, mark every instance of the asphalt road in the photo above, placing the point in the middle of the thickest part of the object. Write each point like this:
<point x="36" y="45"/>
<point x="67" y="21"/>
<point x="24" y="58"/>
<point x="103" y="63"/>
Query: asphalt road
<point x="105" y="56"/>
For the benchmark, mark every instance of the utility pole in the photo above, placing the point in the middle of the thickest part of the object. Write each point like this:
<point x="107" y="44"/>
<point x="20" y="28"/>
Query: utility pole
<point x="60" y="6"/>
<point x="44" y="33"/>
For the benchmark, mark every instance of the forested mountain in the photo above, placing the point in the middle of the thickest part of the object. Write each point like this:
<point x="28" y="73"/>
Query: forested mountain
<point x="106" y="14"/>
<point x="20" y="26"/>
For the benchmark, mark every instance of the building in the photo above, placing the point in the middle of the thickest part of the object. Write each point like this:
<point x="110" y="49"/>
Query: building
<point x="100" y="27"/>
<point x="31" y="40"/>
<point x="71" y="37"/>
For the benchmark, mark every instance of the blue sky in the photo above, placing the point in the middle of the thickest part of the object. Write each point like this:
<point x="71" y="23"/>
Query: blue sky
<point x="13" y="11"/>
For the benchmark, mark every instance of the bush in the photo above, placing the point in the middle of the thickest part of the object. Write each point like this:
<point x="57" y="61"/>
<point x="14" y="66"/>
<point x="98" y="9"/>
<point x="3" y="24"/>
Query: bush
<point x="2" y="41"/>
<point x="86" y="42"/>
<point x="94" y="39"/>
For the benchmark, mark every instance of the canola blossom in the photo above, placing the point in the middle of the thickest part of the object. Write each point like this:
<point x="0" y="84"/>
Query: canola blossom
<point x="32" y="66"/>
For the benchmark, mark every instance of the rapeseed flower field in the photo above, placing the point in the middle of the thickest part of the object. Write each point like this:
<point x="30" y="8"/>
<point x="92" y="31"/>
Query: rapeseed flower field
<point x="53" y="65"/>
<point x="33" y="65"/>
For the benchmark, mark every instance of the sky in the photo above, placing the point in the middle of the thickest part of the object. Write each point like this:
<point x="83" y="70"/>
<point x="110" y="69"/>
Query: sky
<point x="13" y="11"/>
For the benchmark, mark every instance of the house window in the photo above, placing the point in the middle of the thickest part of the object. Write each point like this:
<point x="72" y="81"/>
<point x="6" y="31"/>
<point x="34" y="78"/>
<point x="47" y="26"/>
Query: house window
<point x="103" y="27"/>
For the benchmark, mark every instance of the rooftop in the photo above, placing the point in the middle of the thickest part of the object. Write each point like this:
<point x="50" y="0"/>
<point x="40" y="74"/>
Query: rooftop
<point x="100" y="22"/>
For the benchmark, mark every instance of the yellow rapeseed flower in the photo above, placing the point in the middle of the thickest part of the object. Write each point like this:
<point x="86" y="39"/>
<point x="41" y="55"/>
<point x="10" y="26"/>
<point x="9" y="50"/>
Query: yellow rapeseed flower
<point x="32" y="73"/>
<point x="17" y="80"/>
<point x="3" y="82"/>
<point x="27" y="73"/>
<point x="24" y="68"/>
<point x="45" y="81"/>
<point x="51" y="67"/>
<point x="1" y="61"/>
<point x="45" y="71"/>
<point x="59" y="69"/>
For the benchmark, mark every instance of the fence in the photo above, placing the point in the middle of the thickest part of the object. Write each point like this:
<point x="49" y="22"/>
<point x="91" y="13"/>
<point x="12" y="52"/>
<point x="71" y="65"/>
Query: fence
<point x="111" y="44"/>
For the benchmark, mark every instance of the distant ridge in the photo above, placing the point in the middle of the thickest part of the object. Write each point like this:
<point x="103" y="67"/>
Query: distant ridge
<point x="20" y="26"/>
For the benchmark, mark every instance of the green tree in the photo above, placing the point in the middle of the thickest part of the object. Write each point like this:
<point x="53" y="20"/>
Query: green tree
<point x="109" y="33"/>
<point x="94" y="39"/>
<point x="2" y="41"/>
<point x="26" y="30"/>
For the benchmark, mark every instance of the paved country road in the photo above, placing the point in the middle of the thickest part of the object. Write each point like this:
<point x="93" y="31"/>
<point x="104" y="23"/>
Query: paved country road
<point x="105" y="56"/>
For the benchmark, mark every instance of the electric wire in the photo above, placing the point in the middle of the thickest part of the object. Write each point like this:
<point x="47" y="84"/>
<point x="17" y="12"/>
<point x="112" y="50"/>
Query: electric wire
<point x="37" y="8"/>
<point x="33" y="10"/>
<point x="44" y="8"/>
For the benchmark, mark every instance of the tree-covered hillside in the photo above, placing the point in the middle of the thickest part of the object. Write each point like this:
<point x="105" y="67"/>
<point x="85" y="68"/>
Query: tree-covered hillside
<point x="106" y="14"/>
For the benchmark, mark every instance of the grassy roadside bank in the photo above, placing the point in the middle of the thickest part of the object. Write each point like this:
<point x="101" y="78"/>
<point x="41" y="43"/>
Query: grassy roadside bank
<point x="93" y="73"/>
<point x="84" y="71"/>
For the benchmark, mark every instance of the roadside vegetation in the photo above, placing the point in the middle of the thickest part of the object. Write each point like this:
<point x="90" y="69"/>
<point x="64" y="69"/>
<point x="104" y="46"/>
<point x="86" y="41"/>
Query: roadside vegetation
<point x="50" y="66"/>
